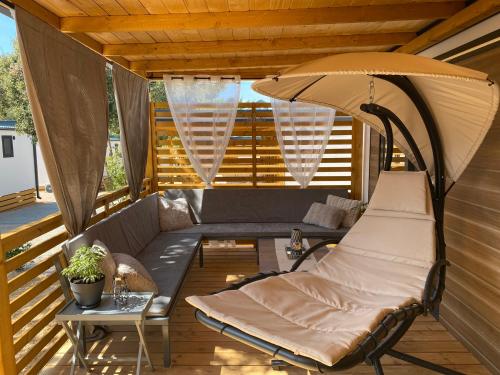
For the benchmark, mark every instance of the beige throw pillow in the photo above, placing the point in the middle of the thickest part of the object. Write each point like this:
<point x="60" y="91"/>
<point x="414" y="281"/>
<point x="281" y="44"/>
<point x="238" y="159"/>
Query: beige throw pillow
<point x="324" y="216"/>
<point x="351" y="207"/>
<point x="108" y="265"/>
<point x="136" y="276"/>
<point x="174" y="214"/>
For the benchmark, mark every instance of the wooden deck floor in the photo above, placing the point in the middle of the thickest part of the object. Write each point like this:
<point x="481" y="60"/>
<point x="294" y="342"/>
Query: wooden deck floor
<point x="197" y="350"/>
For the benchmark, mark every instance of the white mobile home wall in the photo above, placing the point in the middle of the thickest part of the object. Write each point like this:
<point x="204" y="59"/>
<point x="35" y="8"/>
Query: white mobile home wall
<point x="17" y="173"/>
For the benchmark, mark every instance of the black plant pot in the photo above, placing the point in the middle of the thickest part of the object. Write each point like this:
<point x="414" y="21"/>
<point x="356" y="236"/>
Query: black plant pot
<point x="87" y="296"/>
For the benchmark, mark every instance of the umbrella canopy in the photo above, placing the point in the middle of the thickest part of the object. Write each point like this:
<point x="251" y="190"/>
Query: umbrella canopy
<point x="462" y="101"/>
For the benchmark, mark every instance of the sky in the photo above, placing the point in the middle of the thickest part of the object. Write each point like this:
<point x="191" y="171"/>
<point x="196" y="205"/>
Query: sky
<point x="8" y="34"/>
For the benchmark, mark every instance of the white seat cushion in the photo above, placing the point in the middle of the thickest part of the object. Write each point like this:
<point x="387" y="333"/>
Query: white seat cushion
<point x="379" y="266"/>
<point x="322" y="314"/>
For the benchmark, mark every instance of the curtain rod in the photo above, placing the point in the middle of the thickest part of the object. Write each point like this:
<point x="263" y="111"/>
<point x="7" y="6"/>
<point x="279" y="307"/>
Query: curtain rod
<point x="227" y="78"/>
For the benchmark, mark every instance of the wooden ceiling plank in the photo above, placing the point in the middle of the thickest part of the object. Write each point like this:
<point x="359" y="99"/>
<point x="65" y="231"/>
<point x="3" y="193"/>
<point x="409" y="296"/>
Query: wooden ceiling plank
<point x="63" y="8"/>
<point x="221" y="20"/>
<point x="112" y="7"/>
<point x="474" y="13"/>
<point x="133" y="6"/>
<point x="222" y="63"/>
<point x="38" y="11"/>
<point x="175" y="6"/>
<point x="90" y="7"/>
<point x="53" y="20"/>
<point x="227" y="46"/>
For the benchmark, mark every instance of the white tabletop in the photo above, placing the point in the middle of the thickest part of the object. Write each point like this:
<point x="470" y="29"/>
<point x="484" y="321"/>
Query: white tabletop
<point x="136" y="308"/>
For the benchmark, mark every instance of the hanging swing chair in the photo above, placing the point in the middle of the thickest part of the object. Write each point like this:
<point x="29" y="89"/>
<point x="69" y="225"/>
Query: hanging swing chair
<point x="362" y="297"/>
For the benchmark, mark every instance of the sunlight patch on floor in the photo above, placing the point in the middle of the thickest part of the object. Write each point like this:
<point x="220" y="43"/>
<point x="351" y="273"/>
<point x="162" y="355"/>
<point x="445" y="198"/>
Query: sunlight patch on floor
<point x="234" y="278"/>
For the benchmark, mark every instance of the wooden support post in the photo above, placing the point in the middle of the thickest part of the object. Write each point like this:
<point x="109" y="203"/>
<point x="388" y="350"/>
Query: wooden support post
<point x="357" y="159"/>
<point x="7" y="355"/>
<point x="254" y="146"/>
<point x="152" y="166"/>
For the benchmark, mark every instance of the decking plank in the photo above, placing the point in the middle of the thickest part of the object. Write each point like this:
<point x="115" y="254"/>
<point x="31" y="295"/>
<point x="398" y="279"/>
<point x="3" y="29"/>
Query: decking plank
<point x="196" y="350"/>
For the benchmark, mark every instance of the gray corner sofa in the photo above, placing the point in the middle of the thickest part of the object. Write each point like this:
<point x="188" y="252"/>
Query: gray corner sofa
<point x="217" y="214"/>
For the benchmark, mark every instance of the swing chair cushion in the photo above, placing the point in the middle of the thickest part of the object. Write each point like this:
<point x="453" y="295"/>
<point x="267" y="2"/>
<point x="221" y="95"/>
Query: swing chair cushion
<point x="379" y="266"/>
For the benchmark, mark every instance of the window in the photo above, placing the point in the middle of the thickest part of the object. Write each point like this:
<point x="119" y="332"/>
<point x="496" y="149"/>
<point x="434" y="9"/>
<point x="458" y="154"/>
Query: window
<point x="8" y="146"/>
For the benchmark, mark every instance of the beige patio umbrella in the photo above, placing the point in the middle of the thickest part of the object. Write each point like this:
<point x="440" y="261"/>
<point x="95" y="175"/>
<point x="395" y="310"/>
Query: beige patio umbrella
<point x="462" y="102"/>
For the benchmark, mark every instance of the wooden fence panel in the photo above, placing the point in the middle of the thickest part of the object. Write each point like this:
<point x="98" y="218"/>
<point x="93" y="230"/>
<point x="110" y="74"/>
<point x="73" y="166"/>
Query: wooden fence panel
<point x="16" y="200"/>
<point x="253" y="157"/>
<point x="31" y="296"/>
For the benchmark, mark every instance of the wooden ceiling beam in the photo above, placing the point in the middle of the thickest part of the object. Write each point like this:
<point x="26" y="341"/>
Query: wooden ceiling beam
<point x="52" y="19"/>
<point x="263" y="18"/>
<point x="469" y="16"/>
<point x="252" y="45"/>
<point x="222" y="63"/>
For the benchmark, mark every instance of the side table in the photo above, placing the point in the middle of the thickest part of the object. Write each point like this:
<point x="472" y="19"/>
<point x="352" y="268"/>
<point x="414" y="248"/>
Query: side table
<point x="134" y="311"/>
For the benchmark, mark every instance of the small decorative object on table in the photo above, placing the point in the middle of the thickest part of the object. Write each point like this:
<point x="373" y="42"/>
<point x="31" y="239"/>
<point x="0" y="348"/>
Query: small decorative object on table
<point x="120" y="291"/>
<point x="86" y="277"/>
<point x="296" y="247"/>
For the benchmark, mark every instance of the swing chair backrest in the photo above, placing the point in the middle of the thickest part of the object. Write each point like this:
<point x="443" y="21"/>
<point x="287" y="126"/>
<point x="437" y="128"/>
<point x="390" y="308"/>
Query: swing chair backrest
<point x="399" y="224"/>
<point x="392" y="247"/>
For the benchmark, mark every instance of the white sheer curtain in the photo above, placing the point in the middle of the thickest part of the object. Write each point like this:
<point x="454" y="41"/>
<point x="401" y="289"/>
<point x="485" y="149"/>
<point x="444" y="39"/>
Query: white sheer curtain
<point x="204" y="111"/>
<point x="303" y="131"/>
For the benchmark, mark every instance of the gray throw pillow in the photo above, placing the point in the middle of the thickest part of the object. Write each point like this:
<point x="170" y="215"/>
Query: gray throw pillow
<point x="173" y="214"/>
<point x="324" y="216"/>
<point x="351" y="207"/>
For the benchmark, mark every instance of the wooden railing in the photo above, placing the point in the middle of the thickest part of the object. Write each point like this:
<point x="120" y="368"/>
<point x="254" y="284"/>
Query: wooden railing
<point x="253" y="157"/>
<point x="31" y="296"/>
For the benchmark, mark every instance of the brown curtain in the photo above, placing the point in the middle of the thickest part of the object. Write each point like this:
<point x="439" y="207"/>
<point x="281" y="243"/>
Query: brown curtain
<point x="132" y="102"/>
<point x="67" y="92"/>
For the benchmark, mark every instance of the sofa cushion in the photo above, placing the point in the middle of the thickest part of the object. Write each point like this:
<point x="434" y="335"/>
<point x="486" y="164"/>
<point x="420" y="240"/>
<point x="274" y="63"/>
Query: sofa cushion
<point x="173" y="214"/>
<point x="194" y="197"/>
<point x="352" y="209"/>
<point x="255" y="230"/>
<point x="135" y="275"/>
<point x="108" y="265"/>
<point x="259" y="205"/>
<point x="167" y="259"/>
<point x="126" y="231"/>
<point x="324" y="216"/>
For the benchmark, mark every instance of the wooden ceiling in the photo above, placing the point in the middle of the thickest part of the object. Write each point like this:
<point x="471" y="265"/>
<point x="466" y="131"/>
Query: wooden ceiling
<point x="252" y="38"/>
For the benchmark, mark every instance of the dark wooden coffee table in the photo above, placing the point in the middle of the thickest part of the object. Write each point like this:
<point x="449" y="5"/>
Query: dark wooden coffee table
<point x="270" y="249"/>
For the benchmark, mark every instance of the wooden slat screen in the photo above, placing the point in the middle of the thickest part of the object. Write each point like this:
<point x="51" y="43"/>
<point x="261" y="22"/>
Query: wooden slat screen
<point x="30" y="291"/>
<point x="253" y="157"/>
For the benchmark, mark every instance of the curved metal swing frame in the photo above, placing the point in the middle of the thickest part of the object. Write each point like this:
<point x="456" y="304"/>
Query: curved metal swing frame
<point x="394" y="325"/>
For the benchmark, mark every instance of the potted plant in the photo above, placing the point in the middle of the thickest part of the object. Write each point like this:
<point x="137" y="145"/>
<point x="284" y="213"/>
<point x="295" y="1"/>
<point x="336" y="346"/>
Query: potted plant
<point x="85" y="276"/>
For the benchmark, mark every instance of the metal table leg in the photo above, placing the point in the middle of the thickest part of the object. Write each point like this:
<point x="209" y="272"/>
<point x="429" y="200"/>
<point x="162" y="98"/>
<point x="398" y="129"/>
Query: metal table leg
<point x="142" y="346"/>
<point x="75" y="341"/>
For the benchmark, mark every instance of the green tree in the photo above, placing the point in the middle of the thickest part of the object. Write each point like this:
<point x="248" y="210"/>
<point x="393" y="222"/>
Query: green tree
<point x="115" y="171"/>
<point x="113" y="124"/>
<point x="157" y="92"/>
<point x="14" y="102"/>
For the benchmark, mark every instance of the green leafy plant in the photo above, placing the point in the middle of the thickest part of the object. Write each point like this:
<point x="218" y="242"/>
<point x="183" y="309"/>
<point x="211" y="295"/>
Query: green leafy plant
<point x="116" y="177"/>
<point x="84" y="266"/>
<point x="18" y="250"/>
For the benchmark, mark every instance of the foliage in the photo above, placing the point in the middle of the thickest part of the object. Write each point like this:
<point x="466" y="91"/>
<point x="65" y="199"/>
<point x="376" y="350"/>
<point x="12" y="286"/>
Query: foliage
<point x="157" y="92"/>
<point x="84" y="266"/>
<point x="18" y="250"/>
<point x="14" y="102"/>
<point x="116" y="177"/>
<point x="113" y="124"/>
